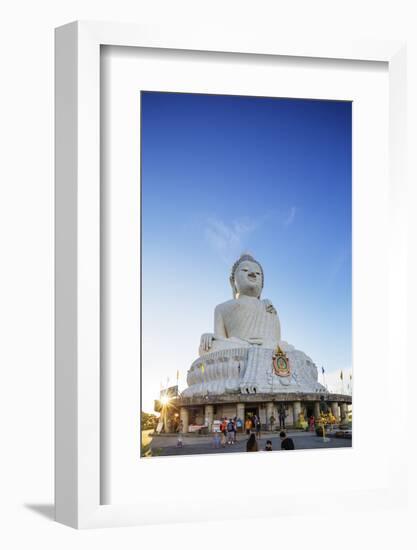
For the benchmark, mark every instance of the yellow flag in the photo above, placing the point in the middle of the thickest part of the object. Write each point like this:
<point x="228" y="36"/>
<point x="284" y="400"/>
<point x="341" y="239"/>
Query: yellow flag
<point x="178" y="374"/>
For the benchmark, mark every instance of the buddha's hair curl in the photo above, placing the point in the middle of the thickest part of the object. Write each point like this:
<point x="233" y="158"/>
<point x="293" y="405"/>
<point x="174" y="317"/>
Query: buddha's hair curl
<point x="243" y="258"/>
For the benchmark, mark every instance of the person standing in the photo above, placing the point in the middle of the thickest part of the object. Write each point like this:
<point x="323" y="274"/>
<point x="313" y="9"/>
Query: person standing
<point x="258" y="427"/>
<point x="281" y="417"/>
<point x="271" y="422"/>
<point x="223" y="429"/>
<point x="251" y="444"/>
<point x="248" y="425"/>
<point x="312" y="423"/>
<point x="235" y="429"/>
<point x="216" y="441"/>
<point x="287" y="444"/>
<point x="230" y="432"/>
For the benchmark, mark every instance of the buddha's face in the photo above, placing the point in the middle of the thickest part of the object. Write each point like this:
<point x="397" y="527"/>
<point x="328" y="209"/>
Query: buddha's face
<point x="248" y="279"/>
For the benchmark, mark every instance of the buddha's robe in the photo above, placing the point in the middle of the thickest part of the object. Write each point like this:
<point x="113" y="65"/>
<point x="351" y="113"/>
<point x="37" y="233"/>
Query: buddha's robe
<point x="243" y="322"/>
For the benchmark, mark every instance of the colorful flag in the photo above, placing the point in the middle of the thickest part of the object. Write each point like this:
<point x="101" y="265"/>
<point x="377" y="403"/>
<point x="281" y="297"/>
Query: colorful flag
<point x="341" y="375"/>
<point x="322" y="370"/>
<point x="178" y="374"/>
<point x="202" y="368"/>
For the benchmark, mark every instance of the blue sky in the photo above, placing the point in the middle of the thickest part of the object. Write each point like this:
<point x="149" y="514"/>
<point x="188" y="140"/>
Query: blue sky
<point x="222" y="175"/>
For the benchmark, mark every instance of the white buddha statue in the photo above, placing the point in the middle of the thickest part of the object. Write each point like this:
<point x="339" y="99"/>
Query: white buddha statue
<point x="246" y="320"/>
<point x="238" y="356"/>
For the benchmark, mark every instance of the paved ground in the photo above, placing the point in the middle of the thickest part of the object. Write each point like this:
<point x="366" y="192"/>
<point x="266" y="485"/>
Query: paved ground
<point x="166" y="445"/>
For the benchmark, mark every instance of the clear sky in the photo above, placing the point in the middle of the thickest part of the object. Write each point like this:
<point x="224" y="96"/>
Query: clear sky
<point x="223" y="175"/>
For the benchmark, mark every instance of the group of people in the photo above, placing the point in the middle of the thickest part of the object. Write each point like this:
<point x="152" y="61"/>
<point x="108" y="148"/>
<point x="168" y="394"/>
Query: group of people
<point x="230" y="427"/>
<point x="228" y="430"/>
<point x="287" y="444"/>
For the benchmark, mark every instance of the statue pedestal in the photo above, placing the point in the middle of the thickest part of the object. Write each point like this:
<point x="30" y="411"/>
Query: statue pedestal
<point x="250" y="370"/>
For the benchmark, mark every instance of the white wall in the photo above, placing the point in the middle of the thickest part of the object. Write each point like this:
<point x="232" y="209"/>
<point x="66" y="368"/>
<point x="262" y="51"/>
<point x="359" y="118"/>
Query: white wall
<point x="26" y="289"/>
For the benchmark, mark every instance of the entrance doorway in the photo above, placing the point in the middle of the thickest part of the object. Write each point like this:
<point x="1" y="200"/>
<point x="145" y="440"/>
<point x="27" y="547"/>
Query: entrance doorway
<point x="309" y="411"/>
<point x="251" y="411"/>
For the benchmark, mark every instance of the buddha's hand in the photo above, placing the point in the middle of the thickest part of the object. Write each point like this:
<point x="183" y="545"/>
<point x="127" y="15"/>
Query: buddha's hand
<point x="269" y="307"/>
<point x="206" y="341"/>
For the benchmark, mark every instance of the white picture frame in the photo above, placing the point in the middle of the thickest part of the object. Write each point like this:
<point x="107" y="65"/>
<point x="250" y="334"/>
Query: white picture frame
<point x="78" y="405"/>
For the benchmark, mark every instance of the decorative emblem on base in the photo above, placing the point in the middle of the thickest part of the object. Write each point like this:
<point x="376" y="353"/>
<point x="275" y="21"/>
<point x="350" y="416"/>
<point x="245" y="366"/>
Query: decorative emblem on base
<point x="280" y="363"/>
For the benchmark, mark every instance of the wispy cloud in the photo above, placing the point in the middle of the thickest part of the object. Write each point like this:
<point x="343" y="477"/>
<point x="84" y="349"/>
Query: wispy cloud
<point x="288" y="220"/>
<point x="228" y="239"/>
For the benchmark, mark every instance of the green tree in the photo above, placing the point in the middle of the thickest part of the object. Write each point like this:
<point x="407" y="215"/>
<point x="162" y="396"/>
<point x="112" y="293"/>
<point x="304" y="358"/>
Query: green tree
<point x="148" y="421"/>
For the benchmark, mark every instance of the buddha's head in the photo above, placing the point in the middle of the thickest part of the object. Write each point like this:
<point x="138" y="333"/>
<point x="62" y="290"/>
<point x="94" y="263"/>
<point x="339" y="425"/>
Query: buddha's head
<point x="247" y="277"/>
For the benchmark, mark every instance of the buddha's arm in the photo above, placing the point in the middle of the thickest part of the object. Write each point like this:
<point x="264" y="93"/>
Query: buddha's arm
<point x="271" y="309"/>
<point x="219" y="332"/>
<point x="219" y="328"/>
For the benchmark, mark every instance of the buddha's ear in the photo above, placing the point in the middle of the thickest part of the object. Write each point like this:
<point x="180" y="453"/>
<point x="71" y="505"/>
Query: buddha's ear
<point x="232" y="284"/>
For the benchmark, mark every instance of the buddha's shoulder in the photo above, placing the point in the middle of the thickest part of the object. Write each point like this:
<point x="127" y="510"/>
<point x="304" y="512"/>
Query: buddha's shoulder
<point x="226" y="306"/>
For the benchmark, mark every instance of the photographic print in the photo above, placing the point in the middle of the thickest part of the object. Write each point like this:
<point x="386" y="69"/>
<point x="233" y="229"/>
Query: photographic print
<point x="246" y="260"/>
